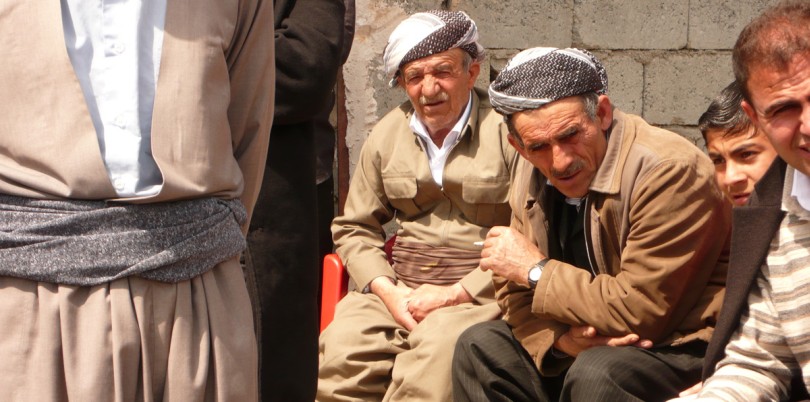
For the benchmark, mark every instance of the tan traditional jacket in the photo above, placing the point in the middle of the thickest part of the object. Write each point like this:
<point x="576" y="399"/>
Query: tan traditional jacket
<point x="212" y="111"/>
<point x="393" y="181"/>
<point x="656" y="230"/>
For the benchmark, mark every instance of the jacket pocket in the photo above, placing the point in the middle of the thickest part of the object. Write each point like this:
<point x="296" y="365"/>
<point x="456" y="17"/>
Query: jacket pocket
<point x="490" y="198"/>
<point x="401" y="192"/>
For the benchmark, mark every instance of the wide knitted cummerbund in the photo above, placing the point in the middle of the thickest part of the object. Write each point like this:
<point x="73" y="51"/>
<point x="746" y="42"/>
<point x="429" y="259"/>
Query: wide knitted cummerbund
<point x="79" y="242"/>
<point x="419" y="263"/>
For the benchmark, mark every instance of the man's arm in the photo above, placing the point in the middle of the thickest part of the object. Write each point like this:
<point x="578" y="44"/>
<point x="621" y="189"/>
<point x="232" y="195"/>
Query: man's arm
<point x="510" y="255"/>
<point x="358" y="233"/>
<point x="250" y="114"/>
<point x="537" y="335"/>
<point x="759" y="364"/>
<point x="308" y="39"/>
<point x="677" y="216"/>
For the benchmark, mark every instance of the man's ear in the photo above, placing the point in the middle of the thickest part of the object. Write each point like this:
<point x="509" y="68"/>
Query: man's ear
<point x="604" y="112"/>
<point x="475" y="69"/>
<point x="513" y="142"/>
<point x="751" y="112"/>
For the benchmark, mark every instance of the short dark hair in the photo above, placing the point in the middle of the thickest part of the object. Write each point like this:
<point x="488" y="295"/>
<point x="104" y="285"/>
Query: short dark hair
<point x="589" y="101"/>
<point x="725" y="113"/>
<point x="772" y="39"/>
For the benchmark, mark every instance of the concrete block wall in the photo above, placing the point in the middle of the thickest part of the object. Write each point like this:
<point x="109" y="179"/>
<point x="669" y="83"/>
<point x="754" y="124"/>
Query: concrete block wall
<point x="666" y="59"/>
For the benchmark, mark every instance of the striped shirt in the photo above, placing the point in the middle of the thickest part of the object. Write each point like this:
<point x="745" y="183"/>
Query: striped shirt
<point x="772" y="343"/>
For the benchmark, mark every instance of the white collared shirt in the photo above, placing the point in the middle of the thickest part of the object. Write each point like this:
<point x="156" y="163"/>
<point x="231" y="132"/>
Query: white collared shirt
<point x="115" y="49"/>
<point x="437" y="157"/>
<point x="801" y="189"/>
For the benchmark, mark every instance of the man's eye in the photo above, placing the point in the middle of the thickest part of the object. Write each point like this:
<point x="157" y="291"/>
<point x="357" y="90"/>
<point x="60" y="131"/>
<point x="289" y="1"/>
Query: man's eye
<point x="781" y="111"/>
<point x="570" y="135"/>
<point x="538" y="147"/>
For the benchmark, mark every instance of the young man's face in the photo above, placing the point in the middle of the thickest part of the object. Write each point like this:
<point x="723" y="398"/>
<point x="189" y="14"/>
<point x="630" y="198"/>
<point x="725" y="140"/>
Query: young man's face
<point x="739" y="161"/>
<point x="439" y="88"/>
<point x="780" y="107"/>
<point x="564" y="143"/>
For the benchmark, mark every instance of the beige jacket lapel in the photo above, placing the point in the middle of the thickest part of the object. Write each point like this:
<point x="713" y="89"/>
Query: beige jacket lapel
<point x="45" y="111"/>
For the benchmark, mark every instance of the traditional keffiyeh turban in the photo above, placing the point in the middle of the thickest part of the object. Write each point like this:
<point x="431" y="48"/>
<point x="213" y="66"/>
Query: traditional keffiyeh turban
<point x="428" y="33"/>
<point x="542" y="75"/>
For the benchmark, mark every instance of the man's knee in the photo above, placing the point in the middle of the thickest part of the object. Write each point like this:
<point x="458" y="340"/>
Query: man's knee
<point x="603" y="372"/>
<point x="484" y="333"/>
<point x="464" y="342"/>
<point x="598" y="362"/>
<point x="480" y="343"/>
<point x="337" y="331"/>
<point x="342" y="338"/>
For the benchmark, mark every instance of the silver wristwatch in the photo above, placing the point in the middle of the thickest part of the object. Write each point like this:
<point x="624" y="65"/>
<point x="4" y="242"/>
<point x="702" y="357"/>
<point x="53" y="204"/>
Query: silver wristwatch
<point x="535" y="271"/>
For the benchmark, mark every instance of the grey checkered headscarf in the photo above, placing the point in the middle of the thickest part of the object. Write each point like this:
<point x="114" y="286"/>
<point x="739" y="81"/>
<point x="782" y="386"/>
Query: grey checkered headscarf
<point x="428" y="33"/>
<point x="542" y="75"/>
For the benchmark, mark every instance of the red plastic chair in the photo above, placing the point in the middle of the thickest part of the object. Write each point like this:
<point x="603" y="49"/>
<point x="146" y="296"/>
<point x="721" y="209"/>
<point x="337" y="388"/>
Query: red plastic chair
<point x="335" y="282"/>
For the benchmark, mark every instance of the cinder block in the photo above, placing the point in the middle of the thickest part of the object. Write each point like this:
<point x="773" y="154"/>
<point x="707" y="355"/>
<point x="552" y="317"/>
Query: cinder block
<point x="415" y="6"/>
<point x="716" y="24"/>
<point x="678" y="87"/>
<point x="690" y="133"/>
<point x="666" y="59"/>
<point x="497" y="59"/>
<point x="520" y="24"/>
<point x="622" y="24"/>
<point x="625" y="80"/>
<point x="386" y="98"/>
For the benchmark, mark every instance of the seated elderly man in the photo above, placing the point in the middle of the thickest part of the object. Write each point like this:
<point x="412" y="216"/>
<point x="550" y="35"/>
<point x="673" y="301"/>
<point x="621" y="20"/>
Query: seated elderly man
<point x="440" y="165"/>
<point x="618" y="230"/>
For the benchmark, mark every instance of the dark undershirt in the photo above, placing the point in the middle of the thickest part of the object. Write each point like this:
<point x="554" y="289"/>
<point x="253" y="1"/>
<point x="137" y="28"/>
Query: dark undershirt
<point x="567" y="223"/>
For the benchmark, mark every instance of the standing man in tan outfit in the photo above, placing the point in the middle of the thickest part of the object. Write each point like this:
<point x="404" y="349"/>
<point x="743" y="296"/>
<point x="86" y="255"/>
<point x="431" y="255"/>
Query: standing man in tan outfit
<point x="134" y="137"/>
<point x="439" y="165"/>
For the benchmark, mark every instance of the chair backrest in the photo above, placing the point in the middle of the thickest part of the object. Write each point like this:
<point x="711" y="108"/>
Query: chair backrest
<point x="335" y="282"/>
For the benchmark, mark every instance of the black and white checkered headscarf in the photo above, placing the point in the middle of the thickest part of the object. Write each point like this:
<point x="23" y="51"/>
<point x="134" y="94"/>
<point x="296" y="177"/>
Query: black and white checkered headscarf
<point x="428" y="33"/>
<point x="542" y="75"/>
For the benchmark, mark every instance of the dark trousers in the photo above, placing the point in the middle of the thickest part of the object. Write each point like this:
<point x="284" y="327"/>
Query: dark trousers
<point x="326" y="213"/>
<point x="283" y="258"/>
<point x="490" y="365"/>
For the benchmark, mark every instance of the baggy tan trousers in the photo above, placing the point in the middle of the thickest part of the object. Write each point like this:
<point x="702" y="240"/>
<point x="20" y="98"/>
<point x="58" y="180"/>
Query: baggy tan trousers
<point x="366" y="356"/>
<point x="129" y="340"/>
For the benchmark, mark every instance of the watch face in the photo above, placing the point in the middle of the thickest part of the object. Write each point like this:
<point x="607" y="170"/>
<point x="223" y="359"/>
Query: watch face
<point x="534" y="274"/>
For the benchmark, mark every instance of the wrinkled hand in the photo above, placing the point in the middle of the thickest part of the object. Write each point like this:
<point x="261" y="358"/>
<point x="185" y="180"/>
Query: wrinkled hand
<point x="395" y="299"/>
<point x="509" y="254"/>
<point x="427" y="298"/>
<point x="578" y="339"/>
